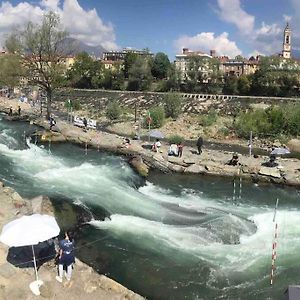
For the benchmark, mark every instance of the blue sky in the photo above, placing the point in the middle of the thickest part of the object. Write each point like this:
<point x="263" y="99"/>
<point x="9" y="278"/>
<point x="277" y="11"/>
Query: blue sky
<point x="230" y="26"/>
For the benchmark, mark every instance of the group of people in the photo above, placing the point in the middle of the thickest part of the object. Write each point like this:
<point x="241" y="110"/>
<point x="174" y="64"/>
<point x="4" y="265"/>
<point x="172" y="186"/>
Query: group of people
<point x="10" y="111"/>
<point x="176" y="150"/>
<point x="52" y="122"/>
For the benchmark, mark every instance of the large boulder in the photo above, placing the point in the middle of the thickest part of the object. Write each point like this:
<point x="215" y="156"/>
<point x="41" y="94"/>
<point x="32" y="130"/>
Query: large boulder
<point x="139" y="166"/>
<point x="294" y="145"/>
<point x="273" y="172"/>
<point x="195" y="169"/>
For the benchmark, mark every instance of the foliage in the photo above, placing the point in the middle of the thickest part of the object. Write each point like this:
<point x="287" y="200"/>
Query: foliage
<point x="243" y="85"/>
<point x="157" y="116"/>
<point x="39" y="53"/>
<point x="11" y="70"/>
<point x="176" y="139"/>
<point x="139" y="75"/>
<point x="231" y="85"/>
<point x="113" y="111"/>
<point x="208" y="119"/>
<point x="129" y="61"/>
<point x="172" y="106"/>
<point x="84" y="71"/>
<point x="160" y="66"/>
<point x="274" y="121"/>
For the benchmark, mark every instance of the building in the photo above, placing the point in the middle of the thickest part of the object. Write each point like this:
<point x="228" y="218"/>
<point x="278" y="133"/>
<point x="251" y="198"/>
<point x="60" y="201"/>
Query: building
<point x="182" y="60"/>
<point x="120" y="55"/>
<point x="286" y="49"/>
<point x="238" y="66"/>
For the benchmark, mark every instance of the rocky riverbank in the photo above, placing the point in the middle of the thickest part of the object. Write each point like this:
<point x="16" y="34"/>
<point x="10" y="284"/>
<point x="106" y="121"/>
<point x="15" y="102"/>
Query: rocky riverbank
<point x="14" y="282"/>
<point x="210" y="162"/>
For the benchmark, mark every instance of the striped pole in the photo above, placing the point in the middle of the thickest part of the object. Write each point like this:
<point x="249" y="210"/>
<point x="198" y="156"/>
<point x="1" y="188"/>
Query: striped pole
<point x="240" y="192"/>
<point x="274" y="246"/>
<point x="86" y="148"/>
<point x="233" y="190"/>
<point x="49" y="146"/>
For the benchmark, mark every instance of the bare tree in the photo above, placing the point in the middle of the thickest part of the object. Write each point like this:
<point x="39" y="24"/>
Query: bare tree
<point x="42" y="53"/>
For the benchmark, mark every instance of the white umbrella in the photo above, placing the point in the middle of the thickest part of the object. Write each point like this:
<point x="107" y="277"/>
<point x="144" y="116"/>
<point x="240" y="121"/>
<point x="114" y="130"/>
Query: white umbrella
<point x="280" y="151"/>
<point x="30" y="230"/>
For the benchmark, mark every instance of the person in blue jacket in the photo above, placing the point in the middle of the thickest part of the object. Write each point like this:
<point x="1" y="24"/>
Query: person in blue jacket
<point x="66" y="257"/>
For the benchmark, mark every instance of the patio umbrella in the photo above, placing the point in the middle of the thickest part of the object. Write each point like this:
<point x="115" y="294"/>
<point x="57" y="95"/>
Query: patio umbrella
<point x="29" y="231"/>
<point x="280" y="151"/>
<point x="156" y="134"/>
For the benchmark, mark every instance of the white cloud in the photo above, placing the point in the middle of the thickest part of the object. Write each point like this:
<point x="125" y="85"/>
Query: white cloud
<point x="287" y="18"/>
<point x="232" y="12"/>
<point x="85" y="25"/>
<point x="206" y="41"/>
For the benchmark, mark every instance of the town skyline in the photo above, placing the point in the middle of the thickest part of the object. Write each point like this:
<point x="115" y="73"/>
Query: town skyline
<point x="231" y="27"/>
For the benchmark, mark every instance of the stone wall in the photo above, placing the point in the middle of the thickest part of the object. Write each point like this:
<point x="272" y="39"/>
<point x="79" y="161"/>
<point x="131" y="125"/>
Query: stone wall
<point x="192" y="103"/>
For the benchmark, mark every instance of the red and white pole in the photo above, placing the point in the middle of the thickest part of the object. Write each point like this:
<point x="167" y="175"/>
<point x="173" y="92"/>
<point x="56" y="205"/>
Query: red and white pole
<point x="274" y="246"/>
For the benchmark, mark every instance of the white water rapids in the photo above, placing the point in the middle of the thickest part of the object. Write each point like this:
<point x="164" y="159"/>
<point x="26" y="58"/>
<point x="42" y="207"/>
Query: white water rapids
<point x="233" y="241"/>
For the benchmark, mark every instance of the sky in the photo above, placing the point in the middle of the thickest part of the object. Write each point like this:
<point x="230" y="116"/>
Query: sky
<point x="231" y="27"/>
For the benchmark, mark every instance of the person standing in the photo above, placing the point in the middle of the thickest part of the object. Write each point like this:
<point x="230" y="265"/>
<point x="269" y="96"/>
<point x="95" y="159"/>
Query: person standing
<point x="85" y="124"/>
<point x="10" y="112"/>
<point x="66" y="257"/>
<point x="180" y="149"/>
<point x="19" y="110"/>
<point x="199" y="145"/>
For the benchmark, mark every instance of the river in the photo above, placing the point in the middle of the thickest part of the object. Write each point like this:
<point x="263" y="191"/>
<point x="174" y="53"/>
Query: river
<point x="170" y="237"/>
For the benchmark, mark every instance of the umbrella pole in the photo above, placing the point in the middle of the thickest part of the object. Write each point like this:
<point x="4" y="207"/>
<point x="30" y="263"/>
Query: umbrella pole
<point x="34" y="262"/>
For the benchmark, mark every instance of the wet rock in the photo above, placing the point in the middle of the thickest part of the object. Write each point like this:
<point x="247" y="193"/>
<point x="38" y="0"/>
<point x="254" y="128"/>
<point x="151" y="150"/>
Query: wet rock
<point x="139" y="166"/>
<point x="176" y="168"/>
<point x="17" y="200"/>
<point x="273" y="172"/>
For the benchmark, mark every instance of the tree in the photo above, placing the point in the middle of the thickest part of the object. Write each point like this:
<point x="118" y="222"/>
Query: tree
<point x="230" y="86"/>
<point x="173" y="105"/>
<point x="11" y="70"/>
<point x="129" y="60"/>
<point x="243" y="85"/>
<point x="39" y="51"/>
<point x="83" y="71"/>
<point x="161" y="65"/>
<point x="140" y="77"/>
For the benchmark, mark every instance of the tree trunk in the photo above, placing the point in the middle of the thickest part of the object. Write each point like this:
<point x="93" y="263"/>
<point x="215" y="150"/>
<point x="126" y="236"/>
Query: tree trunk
<point x="49" y="102"/>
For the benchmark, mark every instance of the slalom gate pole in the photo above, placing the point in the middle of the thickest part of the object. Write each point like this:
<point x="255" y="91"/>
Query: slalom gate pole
<point x="240" y="191"/>
<point x="274" y="245"/>
<point x="49" y="146"/>
<point x="98" y="147"/>
<point x="86" y="148"/>
<point x="233" y="197"/>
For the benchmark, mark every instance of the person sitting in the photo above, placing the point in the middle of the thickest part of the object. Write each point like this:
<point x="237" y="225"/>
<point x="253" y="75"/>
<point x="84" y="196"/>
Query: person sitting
<point x="234" y="160"/>
<point x="173" y="150"/>
<point x="271" y="163"/>
<point x="156" y="146"/>
<point x="126" y="142"/>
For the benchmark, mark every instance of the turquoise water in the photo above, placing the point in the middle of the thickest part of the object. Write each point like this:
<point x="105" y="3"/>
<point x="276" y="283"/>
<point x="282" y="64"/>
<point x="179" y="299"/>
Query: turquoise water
<point x="171" y="237"/>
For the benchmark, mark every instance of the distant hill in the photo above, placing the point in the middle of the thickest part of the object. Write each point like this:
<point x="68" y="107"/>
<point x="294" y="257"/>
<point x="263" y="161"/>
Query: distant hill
<point x="73" y="46"/>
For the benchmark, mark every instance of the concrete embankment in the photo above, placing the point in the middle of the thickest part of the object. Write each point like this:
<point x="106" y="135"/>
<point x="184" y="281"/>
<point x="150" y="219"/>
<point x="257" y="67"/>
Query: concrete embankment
<point x="14" y="281"/>
<point x="210" y="162"/>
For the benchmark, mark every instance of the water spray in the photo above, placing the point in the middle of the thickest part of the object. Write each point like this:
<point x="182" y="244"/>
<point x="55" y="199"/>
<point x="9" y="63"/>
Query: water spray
<point x="274" y="245"/>
<point x="49" y="146"/>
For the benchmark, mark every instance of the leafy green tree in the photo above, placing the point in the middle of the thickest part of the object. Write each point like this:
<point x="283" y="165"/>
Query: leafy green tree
<point x="243" y="85"/>
<point x="173" y="103"/>
<point x="230" y="87"/>
<point x="140" y="77"/>
<point x="83" y="70"/>
<point x="11" y="70"/>
<point x="113" y="111"/>
<point x="157" y="116"/>
<point x="129" y="60"/>
<point x="37" y="46"/>
<point x="160" y="66"/>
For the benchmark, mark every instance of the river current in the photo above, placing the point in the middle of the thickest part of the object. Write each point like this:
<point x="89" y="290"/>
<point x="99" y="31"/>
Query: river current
<point x="170" y="237"/>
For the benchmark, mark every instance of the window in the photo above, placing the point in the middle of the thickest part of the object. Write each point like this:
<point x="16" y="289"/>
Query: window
<point x="287" y="39"/>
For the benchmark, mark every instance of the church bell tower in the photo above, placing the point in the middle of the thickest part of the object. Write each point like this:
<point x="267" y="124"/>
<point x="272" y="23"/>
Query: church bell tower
<point x="286" y="51"/>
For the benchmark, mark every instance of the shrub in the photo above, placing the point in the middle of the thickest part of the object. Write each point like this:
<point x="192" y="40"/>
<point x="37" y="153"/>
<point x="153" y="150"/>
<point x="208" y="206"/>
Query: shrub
<point x="175" y="139"/>
<point x="173" y="105"/>
<point x="158" y="117"/>
<point x="75" y="104"/>
<point x="209" y="119"/>
<point x="113" y="110"/>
